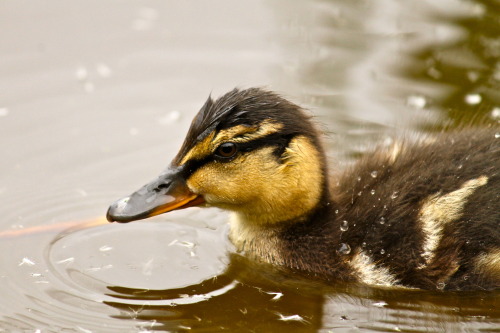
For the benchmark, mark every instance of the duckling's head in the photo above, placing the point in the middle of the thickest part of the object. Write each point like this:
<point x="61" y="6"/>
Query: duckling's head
<point x="251" y="152"/>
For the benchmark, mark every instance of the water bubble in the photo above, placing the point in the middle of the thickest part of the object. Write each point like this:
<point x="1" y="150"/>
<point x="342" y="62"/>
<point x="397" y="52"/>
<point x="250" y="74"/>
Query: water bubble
<point x="344" y="248"/>
<point x="372" y="192"/>
<point x="382" y="220"/>
<point x="394" y="195"/>
<point x="440" y="285"/>
<point x="382" y="251"/>
<point x="473" y="99"/>
<point x="374" y="174"/>
<point x="344" y="225"/>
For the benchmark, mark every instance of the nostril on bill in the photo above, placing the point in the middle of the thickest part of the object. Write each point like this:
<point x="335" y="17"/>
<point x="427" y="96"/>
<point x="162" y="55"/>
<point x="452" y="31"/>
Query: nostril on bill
<point x="161" y="187"/>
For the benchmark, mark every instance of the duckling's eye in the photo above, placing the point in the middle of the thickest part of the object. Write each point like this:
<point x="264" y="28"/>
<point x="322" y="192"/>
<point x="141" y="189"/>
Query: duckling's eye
<point x="226" y="150"/>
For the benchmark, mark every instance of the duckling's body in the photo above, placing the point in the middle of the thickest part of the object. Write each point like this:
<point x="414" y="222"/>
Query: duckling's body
<point x="420" y="215"/>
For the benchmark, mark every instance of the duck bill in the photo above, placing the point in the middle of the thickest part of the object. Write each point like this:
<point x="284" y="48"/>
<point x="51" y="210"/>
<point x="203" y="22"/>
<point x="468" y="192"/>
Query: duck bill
<point x="166" y="193"/>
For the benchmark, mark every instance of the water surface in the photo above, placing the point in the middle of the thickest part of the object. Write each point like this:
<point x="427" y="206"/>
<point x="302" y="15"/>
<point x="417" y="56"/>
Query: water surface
<point x="95" y="99"/>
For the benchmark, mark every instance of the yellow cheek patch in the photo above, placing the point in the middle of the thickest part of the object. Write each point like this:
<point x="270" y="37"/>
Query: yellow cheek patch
<point x="262" y="189"/>
<point x="438" y="210"/>
<point x="238" y="133"/>
<point x="235" y="182"/>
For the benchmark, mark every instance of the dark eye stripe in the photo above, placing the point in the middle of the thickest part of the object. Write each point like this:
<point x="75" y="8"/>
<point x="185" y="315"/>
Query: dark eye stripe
<point x="277" y="140"/>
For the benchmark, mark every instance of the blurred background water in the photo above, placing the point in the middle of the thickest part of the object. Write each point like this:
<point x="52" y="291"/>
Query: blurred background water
<point x="96" y="97"/>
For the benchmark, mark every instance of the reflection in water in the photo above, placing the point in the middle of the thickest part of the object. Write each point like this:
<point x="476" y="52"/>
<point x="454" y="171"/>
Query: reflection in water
<point x="245" y="297"/>
<point x="260" y="298"/>
<point x="469" y="65"/>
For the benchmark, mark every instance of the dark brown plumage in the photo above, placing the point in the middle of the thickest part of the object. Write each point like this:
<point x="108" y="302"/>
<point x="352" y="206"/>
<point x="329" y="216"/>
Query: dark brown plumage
<point x="421" y="215"/>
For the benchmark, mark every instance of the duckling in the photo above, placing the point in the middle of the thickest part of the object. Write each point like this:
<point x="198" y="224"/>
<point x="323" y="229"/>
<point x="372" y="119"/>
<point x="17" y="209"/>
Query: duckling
<point x="423" y="215"/>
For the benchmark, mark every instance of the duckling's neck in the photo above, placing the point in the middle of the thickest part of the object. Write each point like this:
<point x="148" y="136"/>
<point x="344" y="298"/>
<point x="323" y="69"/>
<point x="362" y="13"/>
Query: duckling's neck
<point x="281" y="243"/>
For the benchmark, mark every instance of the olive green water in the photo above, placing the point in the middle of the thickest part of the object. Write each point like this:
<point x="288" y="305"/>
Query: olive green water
<point x="95" y="99"/>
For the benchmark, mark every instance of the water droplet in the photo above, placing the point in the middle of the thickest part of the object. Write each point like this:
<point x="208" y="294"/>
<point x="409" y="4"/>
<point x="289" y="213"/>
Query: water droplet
<point x="497" y="135"/>
<point x="495" y="113"/>
<point x="374" y="174"/>
<point x="382" y="220"/>
<point x="382" y="251"/>
<point x="359" y="179"/>
<point x="416" y="101"/>
<point x="359" y="193"/>
<point x="466" y="277"/>
<point x="372" y="192"/>
<point x="363" y="244"/>
<point x="394" y="195"/>
<point x="344" y="225"/>
<point x="440" y="285"/>
<point x="460" y="166"/>
<point x="344" y="248"/>
<point x="336" y="211"/>
<point x="473" y="99"/>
